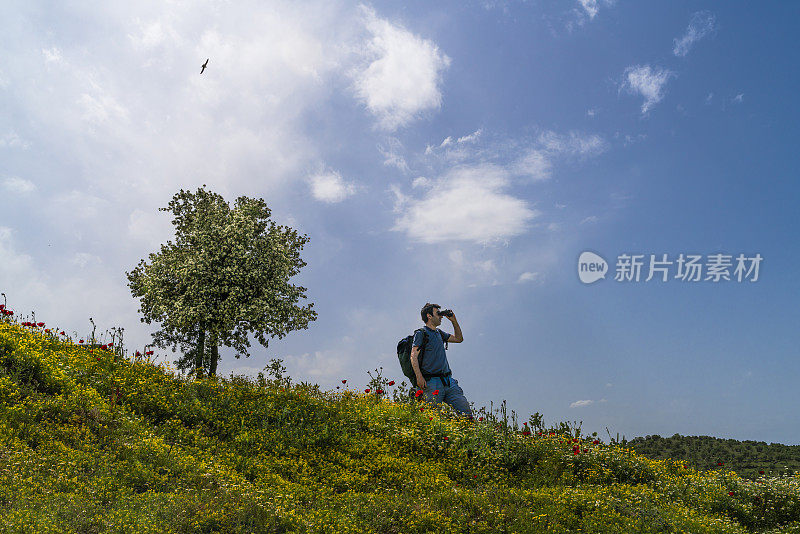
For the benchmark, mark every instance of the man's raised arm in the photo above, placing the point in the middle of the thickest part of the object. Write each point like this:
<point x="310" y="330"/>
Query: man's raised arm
<point x="457" y="337"/>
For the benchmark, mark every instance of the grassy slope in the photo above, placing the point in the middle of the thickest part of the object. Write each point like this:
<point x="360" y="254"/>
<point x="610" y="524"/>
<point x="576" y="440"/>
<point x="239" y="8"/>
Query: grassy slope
<point x="90" y="444"/>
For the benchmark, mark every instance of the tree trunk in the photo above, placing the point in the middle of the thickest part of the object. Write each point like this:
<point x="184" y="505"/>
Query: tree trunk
<point x="214" y="354"/>
<point x="198" y="359"/>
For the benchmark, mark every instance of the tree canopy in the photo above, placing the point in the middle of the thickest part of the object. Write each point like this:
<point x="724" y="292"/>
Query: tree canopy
<point x="226" y="275"/>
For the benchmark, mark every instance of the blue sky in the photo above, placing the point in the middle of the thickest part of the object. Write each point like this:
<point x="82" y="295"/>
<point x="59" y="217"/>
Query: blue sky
<point x="465" y="154"/>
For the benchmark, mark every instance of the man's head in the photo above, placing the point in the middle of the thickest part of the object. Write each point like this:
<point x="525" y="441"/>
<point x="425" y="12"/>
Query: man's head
<point x="430" y="314"/>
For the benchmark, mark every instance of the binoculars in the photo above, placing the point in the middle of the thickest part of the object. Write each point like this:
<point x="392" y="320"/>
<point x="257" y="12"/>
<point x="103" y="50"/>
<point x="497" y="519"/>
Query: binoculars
<point x="446" y="313"/>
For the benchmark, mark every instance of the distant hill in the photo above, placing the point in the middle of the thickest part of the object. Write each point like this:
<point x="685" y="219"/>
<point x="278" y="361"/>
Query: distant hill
<point x="747" y="458"/>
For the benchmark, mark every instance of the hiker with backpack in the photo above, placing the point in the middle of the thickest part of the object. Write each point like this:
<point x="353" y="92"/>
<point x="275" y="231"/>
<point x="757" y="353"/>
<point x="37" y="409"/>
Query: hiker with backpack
<point x="429" y="369"/>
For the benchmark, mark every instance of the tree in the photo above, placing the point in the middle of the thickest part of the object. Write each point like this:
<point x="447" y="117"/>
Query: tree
<point x="226" y="275"/>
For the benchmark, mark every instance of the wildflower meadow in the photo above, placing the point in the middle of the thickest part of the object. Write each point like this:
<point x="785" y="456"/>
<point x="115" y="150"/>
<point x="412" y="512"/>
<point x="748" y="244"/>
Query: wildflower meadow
<point x="95" y="440"/>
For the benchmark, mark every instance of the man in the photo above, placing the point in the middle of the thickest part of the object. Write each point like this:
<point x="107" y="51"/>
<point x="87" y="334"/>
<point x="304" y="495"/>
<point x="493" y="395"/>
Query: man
<point x="435" y="372"/>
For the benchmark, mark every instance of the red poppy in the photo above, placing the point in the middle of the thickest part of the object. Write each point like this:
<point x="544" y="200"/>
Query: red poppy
<point x="110" y="344"/>
<point x="480" y="418"/>
<point x="81" y="341"/>
<point x="418" y="393"/>
<point x="595" y="442"/>
<point x="730" y="493"/>
<point x="366" y="390"/>
<point x="39" y="324"/>
<point x="344" y="381"/>
<point x="446" y="438"/>
<point x="720" y="463"/>
<point x="761" y="472"/>
<point x="421" y="408"/>
<point x="47" y="330"/>
<point x="474" y="476"/>
<point x="380" y="391"/>
<point x="62" y="333"/>
<point x="391" y="383"/>
<point x="436" y="392"/>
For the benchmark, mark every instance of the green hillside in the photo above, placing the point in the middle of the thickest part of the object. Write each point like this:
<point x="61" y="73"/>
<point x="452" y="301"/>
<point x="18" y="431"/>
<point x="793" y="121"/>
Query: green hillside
<point x="91" y="441"/>
<point x="750" y="459"/>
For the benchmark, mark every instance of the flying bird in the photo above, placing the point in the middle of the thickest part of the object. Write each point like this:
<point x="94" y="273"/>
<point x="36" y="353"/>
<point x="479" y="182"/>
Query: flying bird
<point x="204" y="66"/>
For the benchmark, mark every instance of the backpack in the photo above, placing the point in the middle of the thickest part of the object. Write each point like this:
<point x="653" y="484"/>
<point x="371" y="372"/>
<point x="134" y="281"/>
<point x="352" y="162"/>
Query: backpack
<point x="404" y="354"/>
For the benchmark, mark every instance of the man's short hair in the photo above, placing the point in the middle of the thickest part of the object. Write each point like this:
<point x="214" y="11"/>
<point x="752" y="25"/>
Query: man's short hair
<point x="428" y="309"/>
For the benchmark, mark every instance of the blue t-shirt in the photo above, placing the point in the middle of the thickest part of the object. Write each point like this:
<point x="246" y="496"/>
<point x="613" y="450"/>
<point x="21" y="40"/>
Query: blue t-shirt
<point x="434" y="361"/>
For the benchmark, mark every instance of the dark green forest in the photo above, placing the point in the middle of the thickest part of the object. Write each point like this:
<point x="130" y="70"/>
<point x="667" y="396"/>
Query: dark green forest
<point x="746" y="458"/>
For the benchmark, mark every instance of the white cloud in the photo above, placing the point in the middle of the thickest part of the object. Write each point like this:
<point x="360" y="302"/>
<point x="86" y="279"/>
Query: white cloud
<point x="471" y="138"/>
<point x="527" y="277"/>
<point x="466" y="204"/>
<point x="575" y="143"/>
<point x="455" y="150"/>
<point x="153" y="34"/>
<point x="589" y="219"/>
<point x="137" y="118"/>
<point x="739" y="98"/>
<point x="320" y="364"/>
<point x="535" y="164"/>
<point x="52" y="55"/>
<point x="402" y="79"/>
<point x="536" y="161"/>
<point x="81" y="259"/>
<point x="330" y="187"/>
<point x="581" y="403"/>
<point x="585" y="10"/>
<point x="392" y="154"/>
<point x="101" y="108"/>
<point x="631" y="139"/>
<point x="18" y="186"/>
<point x="647" y="82"/>
<point x="77" y="205"/>
<point x="701" y="24"/>
<point x="590" y="6"/>
<point x="12" y="140"/>
<point x="421" y="181"/>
